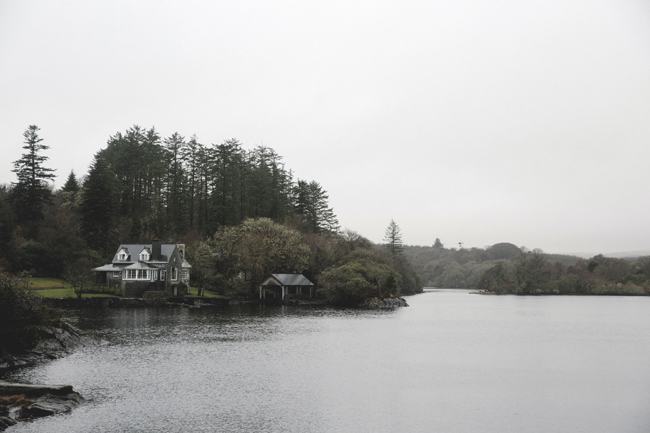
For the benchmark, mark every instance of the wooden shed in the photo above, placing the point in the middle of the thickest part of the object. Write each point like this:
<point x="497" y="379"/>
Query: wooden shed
<point x="285" y="284"/>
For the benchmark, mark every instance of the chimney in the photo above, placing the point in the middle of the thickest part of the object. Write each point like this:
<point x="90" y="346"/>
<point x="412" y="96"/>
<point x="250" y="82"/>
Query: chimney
<point x="155" y="249"/>
<point x="181" y="249"/>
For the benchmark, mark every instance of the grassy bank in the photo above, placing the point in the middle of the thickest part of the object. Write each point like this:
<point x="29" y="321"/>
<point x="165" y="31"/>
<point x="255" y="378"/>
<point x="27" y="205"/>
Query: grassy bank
<point x="67" y="293"/>
<point x="48" y="283"/>
<point x="208" y="293"/>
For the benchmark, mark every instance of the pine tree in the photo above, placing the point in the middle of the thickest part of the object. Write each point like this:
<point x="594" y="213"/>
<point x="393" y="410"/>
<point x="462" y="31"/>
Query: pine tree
<point x="393" y="239"/>
<point x="71" y="185"/>
<point x="31" y="191"/>
<point x="311" y="203"/>
<point x="98" y="206"/>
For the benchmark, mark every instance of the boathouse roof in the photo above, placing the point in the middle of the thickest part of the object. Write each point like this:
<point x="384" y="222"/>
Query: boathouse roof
<point x="287" y="280"/>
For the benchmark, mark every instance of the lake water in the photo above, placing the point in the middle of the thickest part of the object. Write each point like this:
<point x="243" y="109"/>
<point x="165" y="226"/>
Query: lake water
<point x="451" y="362"/>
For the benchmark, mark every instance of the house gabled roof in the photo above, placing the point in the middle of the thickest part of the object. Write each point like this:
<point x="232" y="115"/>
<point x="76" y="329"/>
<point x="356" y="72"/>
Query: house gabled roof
<point x="140" y="265"/>
<point x="110" y="267"/>
<point x="287" y="280"/>
<point x="133" y="251"/>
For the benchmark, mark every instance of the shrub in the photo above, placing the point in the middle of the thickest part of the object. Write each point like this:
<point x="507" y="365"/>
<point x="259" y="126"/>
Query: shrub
<point x="21" y="315"/>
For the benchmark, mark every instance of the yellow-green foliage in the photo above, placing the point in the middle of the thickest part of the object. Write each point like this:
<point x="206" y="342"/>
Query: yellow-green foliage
<point x="15" y="400"/>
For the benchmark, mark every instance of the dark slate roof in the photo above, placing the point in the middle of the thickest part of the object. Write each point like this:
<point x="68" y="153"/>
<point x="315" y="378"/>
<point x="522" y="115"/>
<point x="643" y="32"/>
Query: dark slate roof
<point x="111" y="267"/>
<point x="133" y="250"/>
<point x="292" y="279"/>
<point x="140" y="265"/>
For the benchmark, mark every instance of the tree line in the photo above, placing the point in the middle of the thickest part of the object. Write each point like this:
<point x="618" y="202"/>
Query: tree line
<point x="143" y="186"/>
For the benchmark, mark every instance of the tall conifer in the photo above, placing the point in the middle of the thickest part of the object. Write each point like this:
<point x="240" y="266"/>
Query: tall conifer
<point x="393" y="239"/>
<point x="31" y="191"/>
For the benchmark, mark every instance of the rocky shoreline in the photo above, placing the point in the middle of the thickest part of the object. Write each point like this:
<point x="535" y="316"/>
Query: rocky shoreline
<point x="384" y="303"/>
<point x="24" y="402"/>
<point x="54" y="343"/>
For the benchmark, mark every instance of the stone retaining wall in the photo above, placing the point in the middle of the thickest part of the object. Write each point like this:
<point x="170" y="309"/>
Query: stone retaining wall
<point x="150" y="299"/>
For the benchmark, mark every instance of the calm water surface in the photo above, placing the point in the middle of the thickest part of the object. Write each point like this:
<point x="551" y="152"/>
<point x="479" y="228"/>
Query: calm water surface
<point x="451" y="362"/>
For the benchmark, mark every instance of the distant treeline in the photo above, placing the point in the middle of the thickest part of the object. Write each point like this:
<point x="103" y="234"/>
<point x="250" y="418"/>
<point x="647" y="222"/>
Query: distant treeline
<point x="505" y="268"/>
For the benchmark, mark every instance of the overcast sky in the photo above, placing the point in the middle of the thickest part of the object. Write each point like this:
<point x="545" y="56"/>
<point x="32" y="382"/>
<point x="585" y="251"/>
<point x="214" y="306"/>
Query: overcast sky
<point x="471" y="121"/>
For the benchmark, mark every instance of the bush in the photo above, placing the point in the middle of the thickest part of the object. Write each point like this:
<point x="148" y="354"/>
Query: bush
<point x="21" y="315"/>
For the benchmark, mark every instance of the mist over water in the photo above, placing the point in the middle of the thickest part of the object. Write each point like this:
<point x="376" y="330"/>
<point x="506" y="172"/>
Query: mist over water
<point x="451" y="362"/>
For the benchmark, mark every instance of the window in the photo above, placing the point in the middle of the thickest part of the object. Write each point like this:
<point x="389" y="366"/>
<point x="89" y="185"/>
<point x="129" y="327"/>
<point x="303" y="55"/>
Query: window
<point x="136" y="274"/>
<point x="121" y="256"/>
<point x="116" y="274"/>
<point x="144" y="257"/>
<point x="184" y="274"/>
<point x="174" y="274"/>
<point x="163" y="274"/>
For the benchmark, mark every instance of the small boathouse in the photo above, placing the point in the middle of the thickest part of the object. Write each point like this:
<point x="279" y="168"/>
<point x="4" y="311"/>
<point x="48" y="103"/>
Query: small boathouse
<point x="281" y="285"/>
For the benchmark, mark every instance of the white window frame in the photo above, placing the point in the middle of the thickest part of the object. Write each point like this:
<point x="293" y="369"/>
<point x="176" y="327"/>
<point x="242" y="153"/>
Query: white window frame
<point x="174" y="274"/>
<point x="142" y="274"/>
<point x="184" y="274"/>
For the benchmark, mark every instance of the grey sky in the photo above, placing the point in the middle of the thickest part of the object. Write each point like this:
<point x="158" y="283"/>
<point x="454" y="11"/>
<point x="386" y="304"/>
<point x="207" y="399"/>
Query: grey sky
<point x="471" y="121"/>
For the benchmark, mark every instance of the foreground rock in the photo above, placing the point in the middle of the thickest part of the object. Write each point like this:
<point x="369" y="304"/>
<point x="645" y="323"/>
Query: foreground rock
<point x="55" y="342"/>
<point x="384" y="303"/>
<point x="25" y="401"/>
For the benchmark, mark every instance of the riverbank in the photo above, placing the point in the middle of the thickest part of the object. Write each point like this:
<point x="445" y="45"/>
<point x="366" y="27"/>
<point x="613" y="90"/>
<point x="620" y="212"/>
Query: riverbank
<point x="24" y="402"/>
<point x="152" y="300"/>
<point x="54" y="342"/>
<point x="200" y="302"/>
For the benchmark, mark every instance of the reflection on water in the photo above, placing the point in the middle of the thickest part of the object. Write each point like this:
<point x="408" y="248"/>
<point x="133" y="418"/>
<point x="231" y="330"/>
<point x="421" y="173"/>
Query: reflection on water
<point x="451" y="362"/>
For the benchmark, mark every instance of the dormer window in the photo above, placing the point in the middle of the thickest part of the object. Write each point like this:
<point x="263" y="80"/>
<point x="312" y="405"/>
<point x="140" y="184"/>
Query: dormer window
<point x="122" y="255"/>
<point x="144" y="255"/>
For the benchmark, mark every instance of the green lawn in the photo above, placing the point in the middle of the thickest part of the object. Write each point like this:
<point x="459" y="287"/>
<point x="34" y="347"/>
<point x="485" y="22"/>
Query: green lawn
<point x="208" y="293"/>
<point x="66" y="293"/>
<point x="41" y="283"/>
